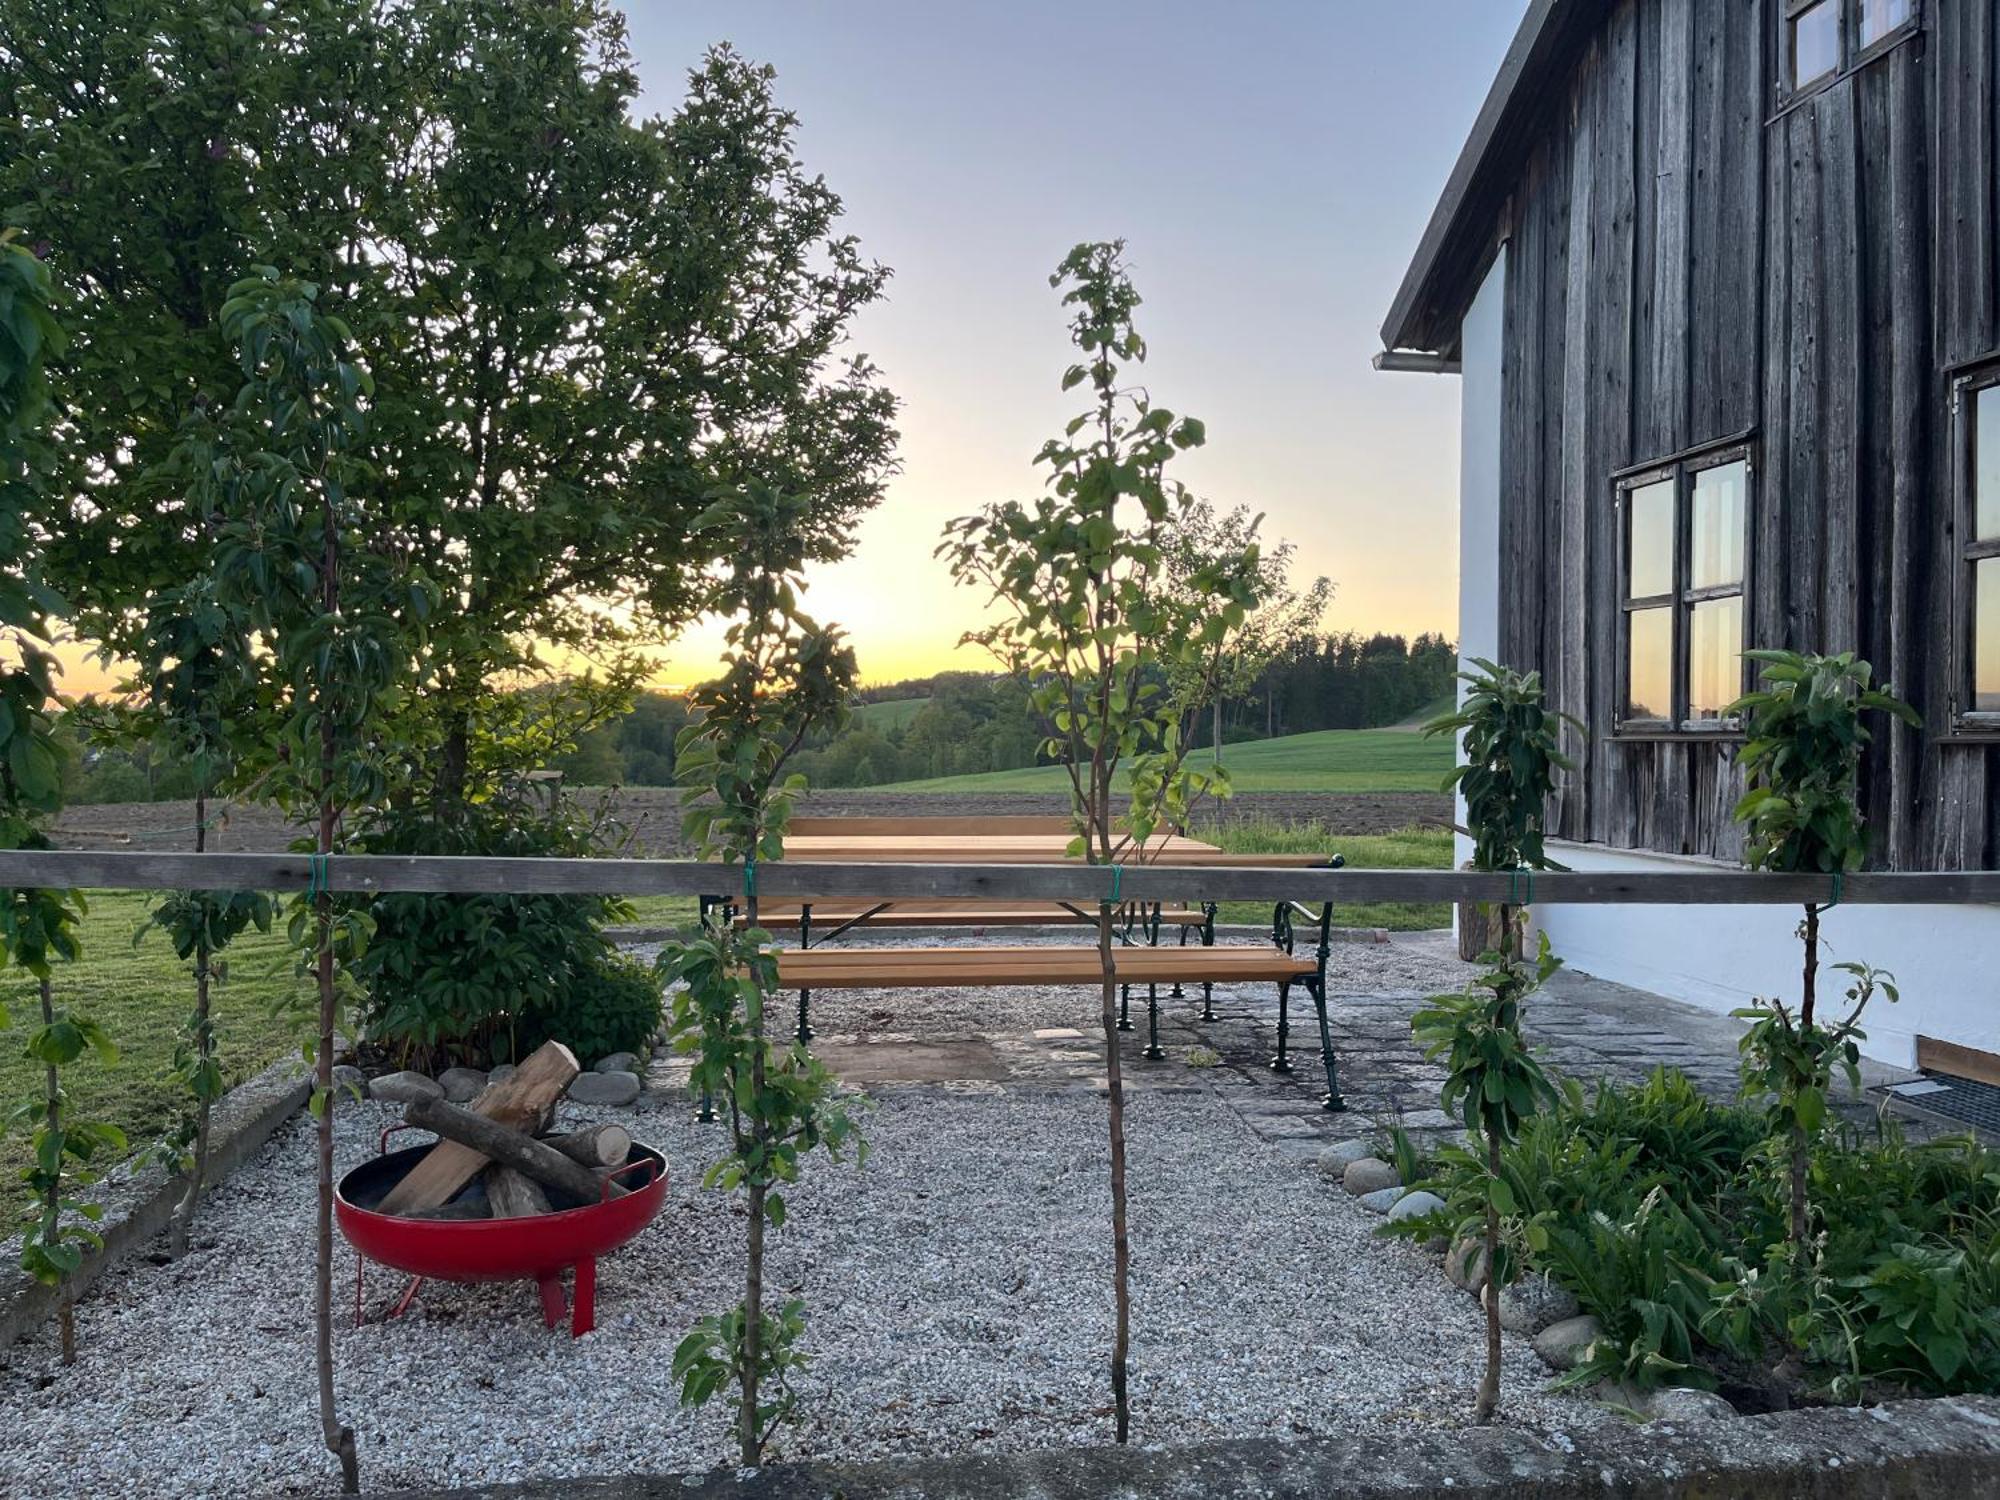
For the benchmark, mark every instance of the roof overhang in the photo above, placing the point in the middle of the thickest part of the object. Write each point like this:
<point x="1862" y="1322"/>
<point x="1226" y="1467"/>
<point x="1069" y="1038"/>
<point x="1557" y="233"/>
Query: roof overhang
<point x="1464" y="229"/>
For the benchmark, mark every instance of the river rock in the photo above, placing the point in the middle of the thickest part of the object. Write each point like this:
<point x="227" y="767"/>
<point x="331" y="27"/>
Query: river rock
<point x="1381" y="1200"/>
<point x="461" y="1085"/>
<point x="349" y="1082"/>
<point x="1369" y="1175"/>
<point x="604" y="1088"/>
<point x="1337" y="1158"/>
<point x="403" y="1087"/>
<point x="1529" y="1306"/>
<point x="1465" y="1266"/>
<point x="617" y="1062"/>
<point x="1682" y="1404"/>
<point x="1562" y="1345"/>
<point x="1414" y="1205"/>
<point x="501" y="1074"/>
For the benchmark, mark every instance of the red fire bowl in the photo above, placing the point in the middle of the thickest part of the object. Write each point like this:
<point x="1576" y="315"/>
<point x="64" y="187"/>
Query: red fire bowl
<point x="539" y="1248"/>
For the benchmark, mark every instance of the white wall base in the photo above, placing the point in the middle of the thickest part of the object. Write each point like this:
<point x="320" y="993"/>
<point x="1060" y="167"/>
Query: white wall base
<point x="1946" y="959"/>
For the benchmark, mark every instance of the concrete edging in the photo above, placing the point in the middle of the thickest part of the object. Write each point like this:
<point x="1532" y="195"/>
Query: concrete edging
<point x="138" y="1206"/>
<point x="1902" y="1452"/>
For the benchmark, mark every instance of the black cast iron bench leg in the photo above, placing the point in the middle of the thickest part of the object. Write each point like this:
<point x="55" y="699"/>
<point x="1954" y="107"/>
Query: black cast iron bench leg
<point x="805" y="996"/>
<point x="1153" y="1052"/>
<point x="1282" y="1063"/>
<point x="1207" y="941"/>
<point x="1333" y="1104"/>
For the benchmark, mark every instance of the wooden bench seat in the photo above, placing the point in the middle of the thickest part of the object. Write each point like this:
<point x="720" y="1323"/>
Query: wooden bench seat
<point x="970" y="912"/>
<point x="951" y="968"/>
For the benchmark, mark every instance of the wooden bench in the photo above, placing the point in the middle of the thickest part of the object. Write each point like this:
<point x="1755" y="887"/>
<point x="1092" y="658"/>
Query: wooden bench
<point x="807" y="970"/>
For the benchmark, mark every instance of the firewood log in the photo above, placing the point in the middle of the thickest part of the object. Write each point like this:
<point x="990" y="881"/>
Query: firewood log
<point x="461" y="1212"/>
<point x="598" y="1146"/>
<point x="513" y="1195"/>
<point x="522" y="1101"/>
<point x="491" y="1140"/>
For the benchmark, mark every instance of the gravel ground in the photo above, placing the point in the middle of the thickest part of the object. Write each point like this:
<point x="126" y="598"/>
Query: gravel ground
<point x="958" y="1288"/>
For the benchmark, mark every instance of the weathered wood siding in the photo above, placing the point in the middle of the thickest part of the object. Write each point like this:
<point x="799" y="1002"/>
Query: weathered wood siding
<point x="1688" y="263"/>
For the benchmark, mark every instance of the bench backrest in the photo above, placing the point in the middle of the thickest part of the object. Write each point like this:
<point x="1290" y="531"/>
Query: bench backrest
<point x="924" y="827"/>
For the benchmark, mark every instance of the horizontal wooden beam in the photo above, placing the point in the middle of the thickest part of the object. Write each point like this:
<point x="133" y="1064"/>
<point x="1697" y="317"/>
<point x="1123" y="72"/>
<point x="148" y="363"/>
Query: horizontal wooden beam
<point x="470" y="875"/>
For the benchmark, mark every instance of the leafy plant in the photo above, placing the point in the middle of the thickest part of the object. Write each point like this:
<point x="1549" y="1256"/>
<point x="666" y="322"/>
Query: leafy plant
<point x="784" y="676"/>
<point x="611" y="1005"/>
<point x="1095" y="623"/>
<point x="1805" y="733"/>
<point x="1511" y="753"/>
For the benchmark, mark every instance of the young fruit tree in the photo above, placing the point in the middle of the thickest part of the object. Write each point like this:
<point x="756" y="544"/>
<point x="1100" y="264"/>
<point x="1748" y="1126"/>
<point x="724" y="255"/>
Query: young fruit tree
<point x="38" y="927"/>
<point x="1803" y="737"/>
<point x="784" y="677"/>
<point x="1078" y="579"/>
<point x="298" y="551"/>
<point x="1493" y="1081"/>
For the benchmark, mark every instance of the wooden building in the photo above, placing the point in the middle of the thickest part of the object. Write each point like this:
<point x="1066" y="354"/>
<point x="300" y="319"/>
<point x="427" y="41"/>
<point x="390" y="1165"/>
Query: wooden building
<point x="1722" y="278"/>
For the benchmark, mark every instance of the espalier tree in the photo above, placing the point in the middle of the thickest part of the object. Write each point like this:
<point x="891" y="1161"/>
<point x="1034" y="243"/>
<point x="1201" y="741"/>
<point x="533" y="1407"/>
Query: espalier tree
<point x="38" y="927"/>
<point x="299" y="549"/>
<point x="1804" y="735"/>
<point x="1078" y="578"/>
<point x="196" y="671"/>
<point x="784" y="677"/>
<point x="581" y="321"/>
<point x="1493" y="1082"/>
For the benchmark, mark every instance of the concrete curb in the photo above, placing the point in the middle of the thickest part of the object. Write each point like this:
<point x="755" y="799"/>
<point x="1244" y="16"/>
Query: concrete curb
<point x="138" y="1206"/>
<point x="1910" y="1450"/>
<point x="626" y="937"/>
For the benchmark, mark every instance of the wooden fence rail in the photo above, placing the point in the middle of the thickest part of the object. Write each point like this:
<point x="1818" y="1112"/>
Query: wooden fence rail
<point x="475" y="875"/>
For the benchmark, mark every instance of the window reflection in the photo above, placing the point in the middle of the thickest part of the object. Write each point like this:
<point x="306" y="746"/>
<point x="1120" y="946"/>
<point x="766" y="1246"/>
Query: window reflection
<point x="1815" y="39"/>
<point x="1715" y="657"/>
<point x="1986" y="465"/>
<point x="1880" y="17"/>
<point x="1986" y="636"/>
<point x="1717" y="538"/>
<point x="1650" y="534"/>
<point x="1649" y="692"/>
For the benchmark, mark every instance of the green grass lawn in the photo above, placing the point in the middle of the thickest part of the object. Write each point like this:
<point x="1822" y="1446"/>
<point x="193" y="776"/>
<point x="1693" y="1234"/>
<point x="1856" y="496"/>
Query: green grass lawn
<point x="894" y="713"/>
<point x="142" y="996"/>
<point x="1332" y="760"/>
<point x="1409" y="849"/>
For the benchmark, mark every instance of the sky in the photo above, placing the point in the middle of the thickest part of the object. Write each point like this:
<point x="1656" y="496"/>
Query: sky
<point x="1270" y="166"/>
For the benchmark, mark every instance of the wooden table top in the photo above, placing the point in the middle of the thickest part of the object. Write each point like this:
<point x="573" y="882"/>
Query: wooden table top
<point x="1020" y="849"/>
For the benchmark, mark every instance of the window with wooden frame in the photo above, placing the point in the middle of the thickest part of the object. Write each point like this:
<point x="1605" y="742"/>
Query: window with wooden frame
<point x="1683" y="549"/>
<point x="1975" y="405"/>
<point x="1818" y="40"/>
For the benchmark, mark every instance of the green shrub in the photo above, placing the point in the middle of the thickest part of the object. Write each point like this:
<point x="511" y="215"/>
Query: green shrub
<point x="451" y="978"/>
<point x="613" y="1006"/>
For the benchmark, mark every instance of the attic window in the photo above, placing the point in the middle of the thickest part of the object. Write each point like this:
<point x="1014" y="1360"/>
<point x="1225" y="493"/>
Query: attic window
<point x="1822" y="39"/>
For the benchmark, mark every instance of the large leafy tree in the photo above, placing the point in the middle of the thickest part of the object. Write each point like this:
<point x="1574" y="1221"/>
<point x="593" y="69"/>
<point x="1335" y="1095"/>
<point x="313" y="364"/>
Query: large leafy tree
<point x="583" y="325"/>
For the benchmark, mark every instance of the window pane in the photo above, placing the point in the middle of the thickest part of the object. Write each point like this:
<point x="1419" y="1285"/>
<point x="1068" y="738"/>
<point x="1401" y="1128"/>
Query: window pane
<point x="1650" y="529"/>
<point x="1986" y="636"/>
<point x="1649" y="690"/>
<point x="1715" y="657"/>
<point x="1986" y="464"/>
<point x="1880" y="17"/>
<point x="1717" y="537"/>
<point x="1815" y="43"/>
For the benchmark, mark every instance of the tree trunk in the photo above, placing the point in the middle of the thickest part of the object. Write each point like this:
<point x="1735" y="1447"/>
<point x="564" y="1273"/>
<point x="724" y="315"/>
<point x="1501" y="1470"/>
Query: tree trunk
<point x="339" y="1438"/>
<point x="1121" y="1251"/>
<point x="1801" y="1147"/>
<point x="752" y="1440"/>
<point x="52" y="1194"/>
<point x="1489" y="1384"/>
<point x="204" y="1042"/>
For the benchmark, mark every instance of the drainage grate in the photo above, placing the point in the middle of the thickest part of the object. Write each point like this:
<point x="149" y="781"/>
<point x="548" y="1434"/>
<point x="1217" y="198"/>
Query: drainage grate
<point x="1962" y="1099"/>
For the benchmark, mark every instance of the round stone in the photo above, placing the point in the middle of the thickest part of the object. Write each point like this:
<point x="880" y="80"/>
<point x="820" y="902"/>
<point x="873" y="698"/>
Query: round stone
<point x="501" y="1074"/>
<point x="1563" y="1345"/>
<point x="1381" y="1200"/>
<point x="350" y="1082"/>
<point x="1465" y="1266"/>
<point x="604" y="1088"/>
<point x="1527" y="1307"/>
<point x="461" y="1085"/>
<point x="1415" y="1205"/>
<point x="1682" y="1404"/>
<point x="1369" y="1175"/>
<point x="404" y="1088"/>
<point x="617" y="1062"/>
<point x="1336" y="1159"/>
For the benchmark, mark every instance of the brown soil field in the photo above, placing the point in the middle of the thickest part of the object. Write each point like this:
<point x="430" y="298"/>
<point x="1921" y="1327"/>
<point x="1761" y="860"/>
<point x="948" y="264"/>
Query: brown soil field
<point x="653" y="816"/>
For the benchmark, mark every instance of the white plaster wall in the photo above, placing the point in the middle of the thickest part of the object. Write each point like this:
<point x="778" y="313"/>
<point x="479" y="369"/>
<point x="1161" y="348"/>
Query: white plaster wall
<point x="1946" y="959"/>
<point x="1479" y="395"/>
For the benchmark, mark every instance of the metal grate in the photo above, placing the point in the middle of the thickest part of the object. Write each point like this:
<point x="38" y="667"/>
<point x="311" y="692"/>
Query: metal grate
<point x="1962" y="1099"/>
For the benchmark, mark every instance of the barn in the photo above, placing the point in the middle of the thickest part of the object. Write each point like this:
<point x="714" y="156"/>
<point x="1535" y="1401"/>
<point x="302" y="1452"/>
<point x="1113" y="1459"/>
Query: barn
<point x="1718" y="279"/>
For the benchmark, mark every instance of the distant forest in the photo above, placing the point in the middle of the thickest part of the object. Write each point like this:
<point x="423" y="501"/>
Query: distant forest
<point x="953" y="724"/>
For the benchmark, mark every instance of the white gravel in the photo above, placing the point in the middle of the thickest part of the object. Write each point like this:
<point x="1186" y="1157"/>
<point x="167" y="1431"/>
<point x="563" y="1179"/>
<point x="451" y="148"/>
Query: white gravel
<point x="959" y="1287"/>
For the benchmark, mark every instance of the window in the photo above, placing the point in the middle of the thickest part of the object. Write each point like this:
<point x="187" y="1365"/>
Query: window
<point x="1682" y="549"/>
<point x="1976" y="407"/>
<point x="1823" y="38"/>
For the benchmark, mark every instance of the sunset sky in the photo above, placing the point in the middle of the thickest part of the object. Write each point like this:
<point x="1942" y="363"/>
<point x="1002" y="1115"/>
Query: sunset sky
<point x="1270" y="165"/>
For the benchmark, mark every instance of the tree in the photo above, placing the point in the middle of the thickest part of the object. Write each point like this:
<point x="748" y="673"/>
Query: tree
<point x="784" y="676"/>
<point x="1078" y="577"/>
<point x="1284" y="617"/>
<point x="1493" y="1082"/>
<point x="297" y="551"/>
<point x="583" y="325"/>
<point x="1804" y="735"/>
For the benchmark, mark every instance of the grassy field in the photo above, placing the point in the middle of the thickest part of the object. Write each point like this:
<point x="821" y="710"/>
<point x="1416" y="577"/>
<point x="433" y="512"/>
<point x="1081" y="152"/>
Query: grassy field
<point x="1332" y="760"/>
<point x="142" y="996"/>
<point x="895" y="713"/>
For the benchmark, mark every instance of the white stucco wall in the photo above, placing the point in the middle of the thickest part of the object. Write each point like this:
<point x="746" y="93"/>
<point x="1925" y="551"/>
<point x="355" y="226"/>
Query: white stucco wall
<point x="1946" y="959"/>
<point x="1479" y="395"/>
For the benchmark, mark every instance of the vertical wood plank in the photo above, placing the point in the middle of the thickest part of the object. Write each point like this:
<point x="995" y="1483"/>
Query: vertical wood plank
<point x="1663" y="409"/>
